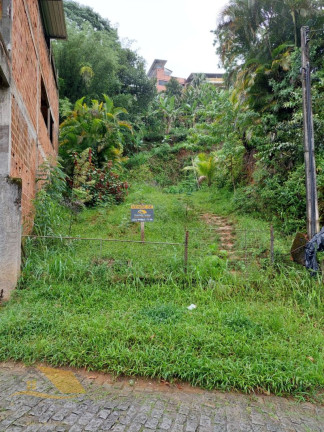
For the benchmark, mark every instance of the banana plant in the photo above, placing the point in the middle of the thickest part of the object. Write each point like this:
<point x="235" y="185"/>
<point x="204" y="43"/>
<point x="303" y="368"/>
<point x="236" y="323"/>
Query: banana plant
<point x="166" y="105"/>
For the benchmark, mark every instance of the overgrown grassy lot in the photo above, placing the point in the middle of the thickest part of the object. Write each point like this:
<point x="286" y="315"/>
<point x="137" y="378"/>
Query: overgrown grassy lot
<point x="122" y="308"/>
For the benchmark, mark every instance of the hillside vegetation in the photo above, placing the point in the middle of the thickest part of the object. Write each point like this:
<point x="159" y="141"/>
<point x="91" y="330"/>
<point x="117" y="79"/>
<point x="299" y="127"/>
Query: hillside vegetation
<point x="220" y="164"/>
<point x="252" y="129"/>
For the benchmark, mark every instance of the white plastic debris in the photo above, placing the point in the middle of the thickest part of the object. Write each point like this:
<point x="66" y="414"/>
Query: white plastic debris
<point x="192" y="307"/>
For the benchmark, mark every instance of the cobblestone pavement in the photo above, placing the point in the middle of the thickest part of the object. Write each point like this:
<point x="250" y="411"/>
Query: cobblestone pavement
<point x="44" y="400"/>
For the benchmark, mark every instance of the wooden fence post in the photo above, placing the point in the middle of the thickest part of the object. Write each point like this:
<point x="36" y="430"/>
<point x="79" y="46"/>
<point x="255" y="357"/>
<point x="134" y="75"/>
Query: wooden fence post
<point x="186" y="251"/>
<point x="143" y="231"/>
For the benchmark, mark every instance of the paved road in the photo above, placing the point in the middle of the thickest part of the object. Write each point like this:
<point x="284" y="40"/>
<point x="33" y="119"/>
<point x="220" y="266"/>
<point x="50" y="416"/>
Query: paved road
<point x="43" y="399"/>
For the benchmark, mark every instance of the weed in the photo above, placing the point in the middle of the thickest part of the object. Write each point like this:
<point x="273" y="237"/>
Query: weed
<point x="122" y="308"/>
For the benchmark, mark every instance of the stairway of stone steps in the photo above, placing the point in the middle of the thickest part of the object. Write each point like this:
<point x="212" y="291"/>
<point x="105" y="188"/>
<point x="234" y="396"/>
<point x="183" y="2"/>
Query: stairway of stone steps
<point x="224" y="229"/>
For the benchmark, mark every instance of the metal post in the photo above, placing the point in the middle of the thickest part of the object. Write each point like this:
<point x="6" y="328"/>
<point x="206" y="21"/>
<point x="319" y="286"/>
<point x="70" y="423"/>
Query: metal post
<point x="310" y="166"/>
<point x="271" y="244"/>
<point x="186" y="251"/>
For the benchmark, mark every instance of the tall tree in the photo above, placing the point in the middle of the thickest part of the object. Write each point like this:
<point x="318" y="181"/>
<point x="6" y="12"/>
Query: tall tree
<point x="250" y="30"/>
<point x="258" y="41"/>
<point x="93" y="61"/>
<point x="81" y="15"/>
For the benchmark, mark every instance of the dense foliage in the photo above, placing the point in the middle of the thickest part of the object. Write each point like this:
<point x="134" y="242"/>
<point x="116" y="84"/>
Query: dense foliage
<point x="258" y="43"/>
<point x="250" y="133"/>
<point x="93" y="61"/>
<point x="92" y="184"/>
<point x="92" y="140"/>
<point x="97" y="126"/>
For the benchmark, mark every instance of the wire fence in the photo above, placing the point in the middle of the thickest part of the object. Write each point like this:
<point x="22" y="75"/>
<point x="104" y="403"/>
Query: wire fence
<point x="240" y="248"/>
<point x="101" y="241"/>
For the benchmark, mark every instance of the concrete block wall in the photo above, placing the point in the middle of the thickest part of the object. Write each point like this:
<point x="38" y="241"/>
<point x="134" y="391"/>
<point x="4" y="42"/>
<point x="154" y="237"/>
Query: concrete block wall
<point x="10" y="235"/>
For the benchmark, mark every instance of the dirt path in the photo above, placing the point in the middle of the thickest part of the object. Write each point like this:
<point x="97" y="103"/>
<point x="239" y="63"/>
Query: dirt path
<point x="221" y="226"/>
<point x="42" y="399"/>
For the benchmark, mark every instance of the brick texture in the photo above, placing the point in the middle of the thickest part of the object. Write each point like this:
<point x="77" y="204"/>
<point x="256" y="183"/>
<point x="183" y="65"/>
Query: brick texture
<point x="162" y="76"/>
<point x="30" y="142"/>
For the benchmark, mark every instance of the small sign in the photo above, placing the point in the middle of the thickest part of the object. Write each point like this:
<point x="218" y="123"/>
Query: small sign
<point x="142" y="213"/>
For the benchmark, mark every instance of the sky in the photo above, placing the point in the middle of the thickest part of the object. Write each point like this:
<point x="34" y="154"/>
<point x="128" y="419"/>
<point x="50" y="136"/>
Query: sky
<point x="174" y="30"/>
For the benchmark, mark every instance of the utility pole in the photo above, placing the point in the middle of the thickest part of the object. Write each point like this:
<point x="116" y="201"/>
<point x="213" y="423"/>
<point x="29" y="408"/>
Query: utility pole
<point x="310" y="165"/>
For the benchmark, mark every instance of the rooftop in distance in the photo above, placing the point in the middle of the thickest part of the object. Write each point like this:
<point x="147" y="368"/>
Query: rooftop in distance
<point x="163" y="76"/>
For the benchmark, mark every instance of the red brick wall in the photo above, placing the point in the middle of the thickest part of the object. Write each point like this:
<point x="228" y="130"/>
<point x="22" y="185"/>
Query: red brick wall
<point x="161" y="76"/>
<point x="23" y="162"/>
<point x="29" y="138"/>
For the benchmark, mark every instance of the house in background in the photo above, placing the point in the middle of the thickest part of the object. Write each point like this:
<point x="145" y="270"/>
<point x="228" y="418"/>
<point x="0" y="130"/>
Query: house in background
<point x="29" y="117"/>
<point x="217" y="79"/>
<point x="162" y="75"/>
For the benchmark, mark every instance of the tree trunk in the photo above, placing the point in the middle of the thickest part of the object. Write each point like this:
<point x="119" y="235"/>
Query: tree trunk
<point x="169" y="123"/>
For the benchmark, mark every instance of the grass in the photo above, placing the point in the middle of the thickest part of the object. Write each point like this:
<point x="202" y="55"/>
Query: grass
<point x="122" y="308"/>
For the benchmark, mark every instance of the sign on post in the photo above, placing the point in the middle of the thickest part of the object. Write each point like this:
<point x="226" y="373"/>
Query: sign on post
<point x="142" y="213"/>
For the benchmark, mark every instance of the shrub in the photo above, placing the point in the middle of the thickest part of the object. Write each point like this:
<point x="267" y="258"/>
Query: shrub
<point x="178" y="134"/>
<point x="93" y="185"/>
<point x="137" y="160"/>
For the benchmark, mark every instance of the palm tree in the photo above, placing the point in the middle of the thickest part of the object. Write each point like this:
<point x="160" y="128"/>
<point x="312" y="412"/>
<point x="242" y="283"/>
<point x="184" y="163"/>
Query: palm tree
<point x="97" y="126"/>
<point x="205" y="167"/>
<point x="189" y="111"/>
<point x="255" y="39"/>
<point x="252" y="29"/>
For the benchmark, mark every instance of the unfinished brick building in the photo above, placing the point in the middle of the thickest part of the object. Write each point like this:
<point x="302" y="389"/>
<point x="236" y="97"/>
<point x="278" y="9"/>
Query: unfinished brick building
<point x="28" y="117"/>
<point x="162" y="75"/>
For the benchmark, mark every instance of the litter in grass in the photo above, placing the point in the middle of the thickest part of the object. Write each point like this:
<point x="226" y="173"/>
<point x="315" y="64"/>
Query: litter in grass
<point x="192" y="307"/>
